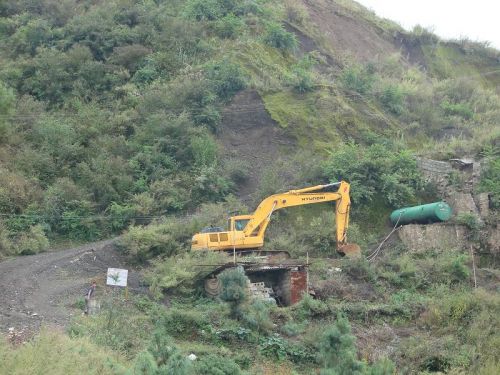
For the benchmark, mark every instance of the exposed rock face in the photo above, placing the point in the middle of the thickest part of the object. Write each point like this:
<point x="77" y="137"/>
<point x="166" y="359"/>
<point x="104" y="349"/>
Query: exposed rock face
<point x="462" y="203"/>
<point x="419" y="238"/>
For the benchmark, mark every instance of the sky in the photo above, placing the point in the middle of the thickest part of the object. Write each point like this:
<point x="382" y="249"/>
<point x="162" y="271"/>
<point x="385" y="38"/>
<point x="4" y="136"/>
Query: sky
<point x="479" y="20"/>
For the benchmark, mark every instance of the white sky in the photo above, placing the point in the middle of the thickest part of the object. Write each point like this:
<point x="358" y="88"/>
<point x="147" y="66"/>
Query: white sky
<point x="450" y="19"/>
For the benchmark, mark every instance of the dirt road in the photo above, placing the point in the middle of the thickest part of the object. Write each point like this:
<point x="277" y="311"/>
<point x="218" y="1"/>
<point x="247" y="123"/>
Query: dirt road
<point x="42" y="289"/>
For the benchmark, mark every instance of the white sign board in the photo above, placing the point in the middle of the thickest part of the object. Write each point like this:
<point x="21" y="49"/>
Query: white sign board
<point x="117" y="276"/>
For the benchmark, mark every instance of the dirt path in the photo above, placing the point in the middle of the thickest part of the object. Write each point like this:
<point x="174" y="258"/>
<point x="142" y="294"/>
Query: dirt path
<point x="40" y="289"/>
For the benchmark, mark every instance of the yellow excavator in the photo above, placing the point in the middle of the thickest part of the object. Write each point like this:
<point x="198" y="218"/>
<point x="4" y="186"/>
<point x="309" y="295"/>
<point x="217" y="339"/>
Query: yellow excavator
<point x="245" y="233"/>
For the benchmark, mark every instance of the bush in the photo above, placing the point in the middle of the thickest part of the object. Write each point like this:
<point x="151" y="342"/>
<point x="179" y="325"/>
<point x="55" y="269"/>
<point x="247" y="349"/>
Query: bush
<point x="392" y="99"/>
<point x="303" y="78"/>
<point x="257" y="316"/>
<point x="229" y="26"/>
<point x="203" y="10"/>
<point x="216" y="365"/>
<point x="374" y="172"/>
<point x="180" y="323"/>
<point x="457" y="109"/>
<point x="226" y="78"/>
<point x="276" y="36"/>
<point x="234" y="289"/>
<point x="181" y="273"/>
<point x="472" y="223"/>
<point x="107" y="328"/>
<point x="277" y="348"/>
<point x="489" y="180"/>
<point x="161" y="238"/>
<point x="32" y="242"/>
<point x="357" y="78"/>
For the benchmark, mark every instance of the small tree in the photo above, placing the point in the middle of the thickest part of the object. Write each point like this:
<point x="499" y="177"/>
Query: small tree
<point x="338" y="350"/>
<point x="338" y="353"/>
<point x="234" y="289"/>
<point x="144" y="364"/>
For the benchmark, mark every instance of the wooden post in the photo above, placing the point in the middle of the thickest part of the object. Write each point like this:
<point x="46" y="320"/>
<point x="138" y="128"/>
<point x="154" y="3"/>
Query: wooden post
<point x="307" y="273"/>
<point x="473" y="266"/>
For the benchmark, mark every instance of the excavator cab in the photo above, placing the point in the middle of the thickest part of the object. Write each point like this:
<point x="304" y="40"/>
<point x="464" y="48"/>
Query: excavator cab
<point x="238" y="222"/>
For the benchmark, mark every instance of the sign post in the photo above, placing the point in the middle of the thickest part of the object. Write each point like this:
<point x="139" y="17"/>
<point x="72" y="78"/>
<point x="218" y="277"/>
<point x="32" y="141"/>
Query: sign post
<point x="117" y="277"/>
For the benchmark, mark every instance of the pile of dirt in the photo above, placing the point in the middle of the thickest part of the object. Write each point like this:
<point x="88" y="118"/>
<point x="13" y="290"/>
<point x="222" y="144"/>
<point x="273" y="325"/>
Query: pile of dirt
<point x="42" y="289"/>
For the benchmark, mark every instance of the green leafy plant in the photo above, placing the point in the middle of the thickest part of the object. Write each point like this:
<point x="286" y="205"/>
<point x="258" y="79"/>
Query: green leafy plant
<point x="276" y="36"/>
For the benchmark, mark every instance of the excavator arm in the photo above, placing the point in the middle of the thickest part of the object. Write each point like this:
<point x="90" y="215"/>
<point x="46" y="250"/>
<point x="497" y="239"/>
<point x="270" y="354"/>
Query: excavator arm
<point x="259" y="221"/>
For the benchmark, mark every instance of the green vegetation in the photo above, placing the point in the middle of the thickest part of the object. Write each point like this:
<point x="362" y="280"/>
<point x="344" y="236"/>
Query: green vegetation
<point x="110" y="123"/>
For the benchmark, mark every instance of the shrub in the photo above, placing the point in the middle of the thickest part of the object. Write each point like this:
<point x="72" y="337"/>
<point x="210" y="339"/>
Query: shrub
<point x="457" y="109"/>
<point x="303" y="78"/>
<point x="392" y="99"/>
<point x="234" y="284"/>
<point x="376" y="171"/>
<point x="489" y="180"/>
<point x="357" y="78"/>
<point x="277" y="348"/>
<point x="257" y="316"/>
<point x="107" y="328"/>
<point x="216" y="365"/>
<point x="204" y="150"/>
<point x="226" y="78"/>
<point x="310" y="307"/>
<point x="472" y="223"/>
<point x="203" y="10"/>
<point x="180" y="323"/>
<point x="161" y="238"/>
<point x="181" y="273"/>
<point x="229" y="26"/>
<point x="276" y="36"/>
<point x="33" y="241"/>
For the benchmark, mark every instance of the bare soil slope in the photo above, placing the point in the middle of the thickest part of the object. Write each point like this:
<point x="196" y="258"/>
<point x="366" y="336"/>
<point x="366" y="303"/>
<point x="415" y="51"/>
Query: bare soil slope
<point x="250" y="136"/>
<point x="41" y="289"/>
<point x="348" y="34"/>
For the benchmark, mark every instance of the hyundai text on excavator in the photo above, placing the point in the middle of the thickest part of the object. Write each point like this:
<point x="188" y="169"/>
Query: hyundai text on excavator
<point x="245" y="233"/>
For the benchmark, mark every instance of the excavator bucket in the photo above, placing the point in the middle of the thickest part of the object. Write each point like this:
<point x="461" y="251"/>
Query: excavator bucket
<point x="350" y="250"/>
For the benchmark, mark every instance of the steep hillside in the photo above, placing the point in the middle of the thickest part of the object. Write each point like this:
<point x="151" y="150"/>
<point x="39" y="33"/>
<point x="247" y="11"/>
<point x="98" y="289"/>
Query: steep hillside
<point x="154" y="118"/>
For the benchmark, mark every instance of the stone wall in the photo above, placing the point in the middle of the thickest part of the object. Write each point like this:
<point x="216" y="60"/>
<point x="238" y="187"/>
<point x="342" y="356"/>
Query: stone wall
<point x="419" y="238"/>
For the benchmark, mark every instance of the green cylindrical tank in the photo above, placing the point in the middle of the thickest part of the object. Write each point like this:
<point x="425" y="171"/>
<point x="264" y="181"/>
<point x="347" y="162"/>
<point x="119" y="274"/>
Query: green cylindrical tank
<point x="427" y="213"/>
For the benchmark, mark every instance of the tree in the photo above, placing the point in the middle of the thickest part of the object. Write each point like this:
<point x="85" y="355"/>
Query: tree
<point x="338" y="350"/>
<point x="277" y="37"/>
<point x="337" y="353"/>
<point x="234" y="284"/>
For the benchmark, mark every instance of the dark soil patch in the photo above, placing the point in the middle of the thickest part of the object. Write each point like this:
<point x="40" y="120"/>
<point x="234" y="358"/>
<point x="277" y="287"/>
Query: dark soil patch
<point x="307" y="45"/>
<point x="250" y="136"/>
